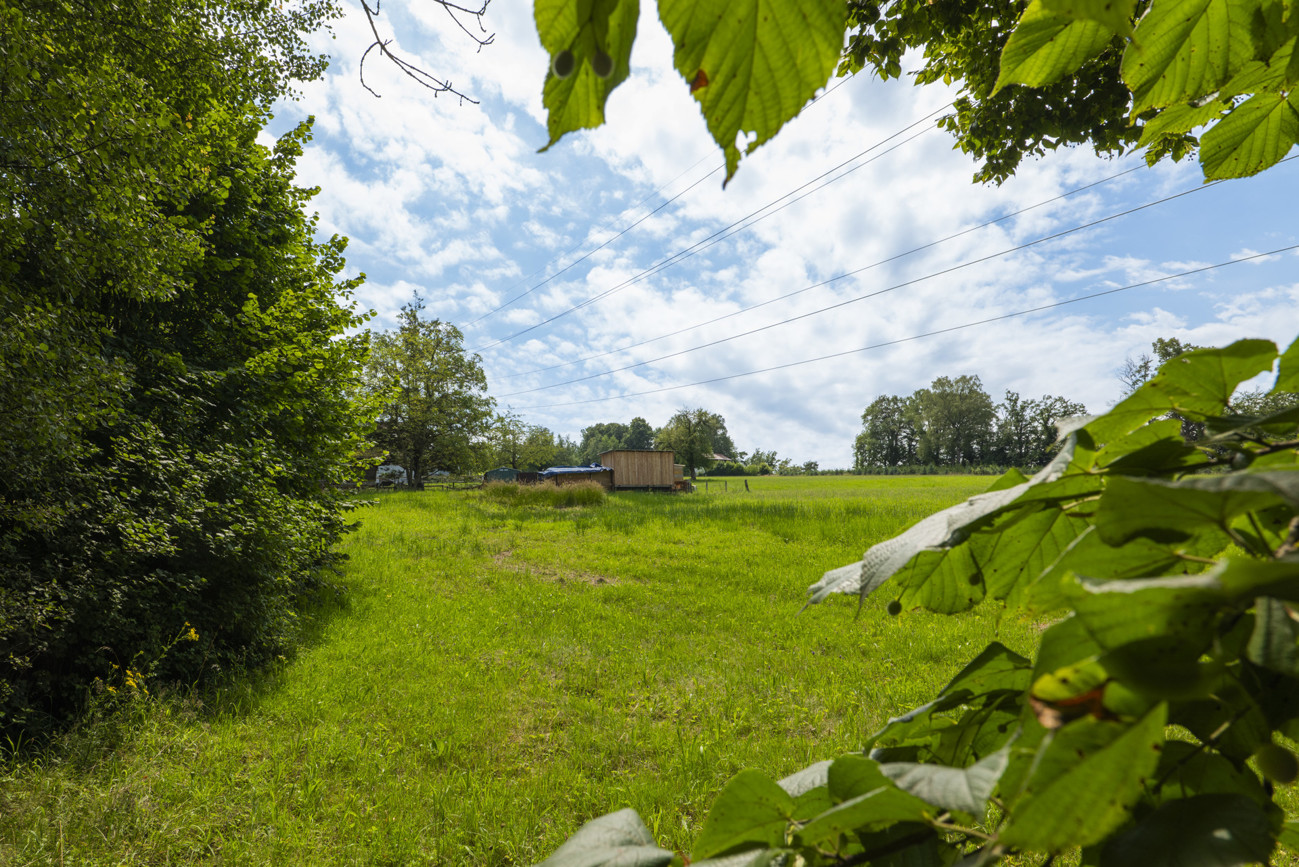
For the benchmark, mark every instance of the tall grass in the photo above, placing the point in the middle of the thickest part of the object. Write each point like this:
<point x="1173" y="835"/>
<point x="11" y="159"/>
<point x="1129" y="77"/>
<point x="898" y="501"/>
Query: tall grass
<point x="496" y="672"/>
<point x="546" y="495"/>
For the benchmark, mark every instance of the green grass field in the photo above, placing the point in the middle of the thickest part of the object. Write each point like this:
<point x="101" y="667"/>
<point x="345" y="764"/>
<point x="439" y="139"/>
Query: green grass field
<point x="496" y="673"/>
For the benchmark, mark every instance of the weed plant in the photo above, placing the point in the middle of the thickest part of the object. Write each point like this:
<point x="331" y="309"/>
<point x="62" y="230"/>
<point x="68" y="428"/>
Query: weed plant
<point x="496" y="672"/>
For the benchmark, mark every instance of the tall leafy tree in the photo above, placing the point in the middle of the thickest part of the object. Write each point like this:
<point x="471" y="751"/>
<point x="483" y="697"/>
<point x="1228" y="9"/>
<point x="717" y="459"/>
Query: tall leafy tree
<point x="1026" y="430"/>
<point x="953" y="420"/>
<point x="691" y="435"/>
<point x="600" y="438"/>
<point x="888" y="437"/>
<point x="639" y="434"/>
<point x="436" y="404"/>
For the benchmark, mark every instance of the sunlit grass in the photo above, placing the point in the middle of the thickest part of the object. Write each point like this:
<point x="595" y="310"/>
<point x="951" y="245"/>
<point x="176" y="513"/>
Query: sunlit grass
<point x="496" y="674"/>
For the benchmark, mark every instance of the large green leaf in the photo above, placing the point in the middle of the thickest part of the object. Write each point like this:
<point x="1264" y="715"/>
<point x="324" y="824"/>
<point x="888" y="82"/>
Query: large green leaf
<point x="1287" y="378"/>
<point x="1116" y="613"/>
<point x="1196" y="384"/>
<point x="989" y="691"/>
<point x="964" y="789"/>
<point x="617" y="840"/>
<point x="1178" y="119"/>
<point x="1185" y="49"/>
<point x="1116" y="15"/>
<point x="1047" y="45"/>
<point x="1087" y="777"/>
<point x="864" y="799"/>
<point x="590" y="32"/>
<point x="959" y="584"/>
<point x="1164" y="510"/>
<point x="1186" y="770"/>
<point x="1218" y="830"/>
<point x="1273" y="644"/>
<point x="750" y="813"/>
<point x="753" y="64"/>
<point x="1023" y="553"/>
<point x="1255" y="135"/>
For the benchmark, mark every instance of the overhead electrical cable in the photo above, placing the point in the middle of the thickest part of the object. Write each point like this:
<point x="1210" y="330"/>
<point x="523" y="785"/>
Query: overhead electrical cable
<point x="628" y="228"/>
<point x="827" y="281"/>
<point x="969" y="263"/>
<point x="914" y="337"/>
<point x="743" y="223"/>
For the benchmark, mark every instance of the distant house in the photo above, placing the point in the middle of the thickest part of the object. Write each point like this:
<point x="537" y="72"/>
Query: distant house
<point x="641" y="469"/>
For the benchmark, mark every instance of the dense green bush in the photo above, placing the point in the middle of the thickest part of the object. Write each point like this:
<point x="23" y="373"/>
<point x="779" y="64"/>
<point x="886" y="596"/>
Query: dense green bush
<point x="174" y="410"/>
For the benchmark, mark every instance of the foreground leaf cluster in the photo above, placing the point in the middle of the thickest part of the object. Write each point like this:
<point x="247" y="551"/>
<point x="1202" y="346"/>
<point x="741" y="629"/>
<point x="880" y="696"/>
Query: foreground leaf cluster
<point x="1150" y="726"/>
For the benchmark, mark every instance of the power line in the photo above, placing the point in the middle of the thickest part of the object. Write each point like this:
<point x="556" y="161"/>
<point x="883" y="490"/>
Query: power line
<point x="827" y="281"/>
<point x="628" y="228"/>
<point x="875" y="294"/>
<point x="721" y="234"/>
<point x="914" y="337"/>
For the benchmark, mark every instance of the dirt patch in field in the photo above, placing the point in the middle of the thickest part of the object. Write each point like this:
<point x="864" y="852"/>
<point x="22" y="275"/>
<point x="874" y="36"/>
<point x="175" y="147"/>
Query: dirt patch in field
<point x="555" y="574"/>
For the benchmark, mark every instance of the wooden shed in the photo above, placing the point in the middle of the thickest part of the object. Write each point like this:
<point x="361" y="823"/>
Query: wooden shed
<point x="640" y="469"/>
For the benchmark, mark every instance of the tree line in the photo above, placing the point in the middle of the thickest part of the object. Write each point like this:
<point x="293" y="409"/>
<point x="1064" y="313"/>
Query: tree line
<point x="954" y="423"/>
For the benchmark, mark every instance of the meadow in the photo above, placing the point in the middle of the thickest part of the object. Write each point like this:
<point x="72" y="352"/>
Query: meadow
<point x="490" y="672"/>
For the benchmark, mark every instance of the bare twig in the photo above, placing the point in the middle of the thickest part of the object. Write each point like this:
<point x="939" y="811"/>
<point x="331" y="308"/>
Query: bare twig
<point x="421" y="76"/>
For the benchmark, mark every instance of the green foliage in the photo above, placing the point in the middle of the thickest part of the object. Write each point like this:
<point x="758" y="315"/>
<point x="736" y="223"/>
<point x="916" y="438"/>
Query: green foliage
<point x="434" y="396"/>
<point x="1226" y="63"/>
<point x="692" y="435"/>
<point x="954" y="423"/>
<point x="786" y="53"/>
<point x="175" y="371"/>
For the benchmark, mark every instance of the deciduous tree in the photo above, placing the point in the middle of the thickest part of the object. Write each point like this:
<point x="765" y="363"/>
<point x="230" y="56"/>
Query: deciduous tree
<point x="436" y="405"/>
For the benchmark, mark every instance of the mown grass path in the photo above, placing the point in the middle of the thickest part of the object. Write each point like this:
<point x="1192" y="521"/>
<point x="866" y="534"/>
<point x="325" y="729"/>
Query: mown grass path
<point x="496" y="675"/>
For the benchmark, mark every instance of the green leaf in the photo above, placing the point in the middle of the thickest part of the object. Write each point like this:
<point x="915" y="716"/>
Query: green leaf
<point x="801" y="782"/>
<point x="618" y="840"/>
<point x="1218" y="830"/>
<point x="1287" y="378"/>
<point x="1195" y="384"/>
<point x="1185" y="49"/>
<point x="753" y="64"/>
<point x="1114" y="14"/>
<point x="1290" y="835"/>
<point x="1116" y="613"/>
<point x="963" y="789"/>
<point x="1188" y="770"/>
<point x="1047" y="45"/>
<point x="992" y="685"/>
<point x="1179" y="119"/>
<point x="750" y="813"/>
<point x="1087" y="778"/>
<point x="1273" y="642"/>
<point x="1172" y="511"/>
<point x="868" y="801"/>
<point x="1255" y="135"/>
<point x="947" y="586"/>
<point x="1024" y="552"/>
<point x="586" y="28"/>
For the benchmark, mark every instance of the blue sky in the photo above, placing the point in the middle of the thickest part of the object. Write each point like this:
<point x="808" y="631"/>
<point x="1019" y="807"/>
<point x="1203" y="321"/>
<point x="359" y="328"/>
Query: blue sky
<point x="452" y="201"/>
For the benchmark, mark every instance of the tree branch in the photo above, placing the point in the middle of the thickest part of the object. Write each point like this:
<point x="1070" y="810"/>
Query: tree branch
<point x="421" y="76"/>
